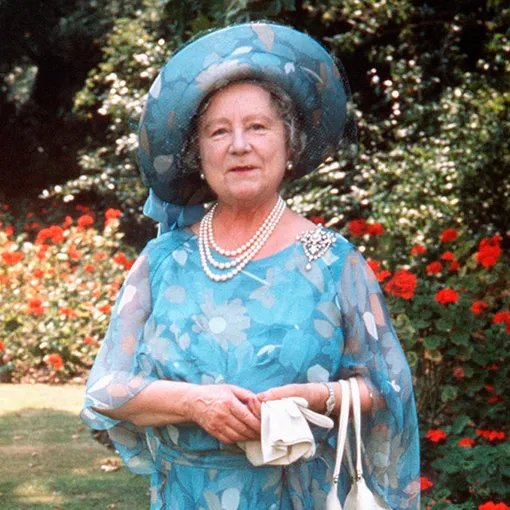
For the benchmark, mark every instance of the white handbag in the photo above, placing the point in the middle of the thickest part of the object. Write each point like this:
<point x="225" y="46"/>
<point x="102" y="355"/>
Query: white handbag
<point x="359" y="497"/>
<point x="285" y="433"/>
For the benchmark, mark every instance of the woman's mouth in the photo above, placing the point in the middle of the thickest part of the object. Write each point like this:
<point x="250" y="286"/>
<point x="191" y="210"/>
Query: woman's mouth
<point x="242" y="169"/>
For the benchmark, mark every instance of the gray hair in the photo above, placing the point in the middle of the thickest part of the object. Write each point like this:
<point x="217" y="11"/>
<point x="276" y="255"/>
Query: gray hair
<point x="295" y="136"/>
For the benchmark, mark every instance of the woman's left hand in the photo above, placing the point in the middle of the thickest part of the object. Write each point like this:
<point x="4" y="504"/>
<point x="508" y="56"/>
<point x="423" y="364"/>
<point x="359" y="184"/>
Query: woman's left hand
<point x="315" y="393"/>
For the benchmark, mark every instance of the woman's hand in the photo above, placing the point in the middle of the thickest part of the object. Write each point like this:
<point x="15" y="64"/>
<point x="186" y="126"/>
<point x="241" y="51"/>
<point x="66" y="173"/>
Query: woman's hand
<point x="221" y="410"/>
<point x="315" y="393"/>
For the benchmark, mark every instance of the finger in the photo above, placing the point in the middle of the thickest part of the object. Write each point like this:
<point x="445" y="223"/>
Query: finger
<point x="245" y="416"/>
<point x="238" y="431"/>
<point x="255" y="407"/>
<point x="289" y="390"/>
<point x="241" y="393"/>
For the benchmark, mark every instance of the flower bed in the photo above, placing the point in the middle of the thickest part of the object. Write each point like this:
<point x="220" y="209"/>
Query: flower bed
<point x="57" y="286"/>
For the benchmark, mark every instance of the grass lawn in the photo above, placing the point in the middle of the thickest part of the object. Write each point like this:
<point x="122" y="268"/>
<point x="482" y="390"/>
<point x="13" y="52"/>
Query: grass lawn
<point x="48" y="459"/>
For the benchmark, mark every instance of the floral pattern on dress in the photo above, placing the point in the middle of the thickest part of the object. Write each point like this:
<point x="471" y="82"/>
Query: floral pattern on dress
<point x="273" y="324"/>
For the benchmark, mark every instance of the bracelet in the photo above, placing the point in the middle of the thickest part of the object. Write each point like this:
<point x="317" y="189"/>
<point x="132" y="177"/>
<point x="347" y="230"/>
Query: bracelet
<point x="331" y="400"/>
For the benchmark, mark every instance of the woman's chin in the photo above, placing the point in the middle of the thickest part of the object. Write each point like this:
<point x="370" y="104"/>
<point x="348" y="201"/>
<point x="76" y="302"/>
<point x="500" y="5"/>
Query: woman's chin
<point x="246" y="194"/>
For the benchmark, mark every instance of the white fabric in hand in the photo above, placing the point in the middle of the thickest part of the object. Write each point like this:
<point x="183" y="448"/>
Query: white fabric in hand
<point x="285" y="433"/>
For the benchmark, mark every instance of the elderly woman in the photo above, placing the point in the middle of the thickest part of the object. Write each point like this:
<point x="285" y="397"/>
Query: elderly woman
<point x="250" y="302"/>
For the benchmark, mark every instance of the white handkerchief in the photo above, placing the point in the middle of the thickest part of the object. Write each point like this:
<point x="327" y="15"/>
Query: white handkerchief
<point x="285" y="433"/>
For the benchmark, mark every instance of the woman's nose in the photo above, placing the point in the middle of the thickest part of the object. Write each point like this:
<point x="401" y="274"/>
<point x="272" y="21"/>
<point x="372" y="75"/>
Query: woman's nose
<point x="239" y="143"/>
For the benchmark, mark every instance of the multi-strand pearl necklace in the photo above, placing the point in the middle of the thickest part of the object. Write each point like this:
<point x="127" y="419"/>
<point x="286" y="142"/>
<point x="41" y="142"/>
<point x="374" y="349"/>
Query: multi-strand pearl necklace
<point x="243" y="254"/>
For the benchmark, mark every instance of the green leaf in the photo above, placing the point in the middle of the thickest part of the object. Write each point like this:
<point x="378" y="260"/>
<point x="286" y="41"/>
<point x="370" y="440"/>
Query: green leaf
<point x="412" y="358"/>
<point x="460" y="337"/>
<point x="12" y="325"/>
<point x="448" y="393"/>
<point x="444" y="324"/>
<point x="432" y="342"/>
<point x="459" y="424"/>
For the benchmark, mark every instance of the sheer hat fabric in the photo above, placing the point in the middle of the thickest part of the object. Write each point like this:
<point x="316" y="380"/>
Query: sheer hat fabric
<point x="260" y="51"/>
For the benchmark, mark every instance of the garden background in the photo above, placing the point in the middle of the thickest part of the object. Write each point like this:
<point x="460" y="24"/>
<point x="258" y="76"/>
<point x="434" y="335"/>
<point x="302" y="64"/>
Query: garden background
<point x="427" y="202"/>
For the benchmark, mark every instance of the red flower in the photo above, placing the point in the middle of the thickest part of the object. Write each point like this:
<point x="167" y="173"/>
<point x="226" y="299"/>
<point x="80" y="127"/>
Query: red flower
<point x="120" y="258"/>
<point x="88" y="268"/>
<point x="85" y="220"/>
<point x="490" y="505"/>
<point x="501" y="317"/>
<point x="478" y="307"/>
<point x="454" y="266"/>
<point x="446" y="296"/>
<point x="67" y="312"/>
<point x="67" y="222"/>
<point x="466" y="442"/>
<point x="105" y="308"/>
<point x="2" y="346"/>
<point x="318" y="220"/>
<point x="436" y="435"/>
<point x="375" y="229"/>
<point x="357" y="228"/>
<point x="425" y="483"/>
<point x="495" y="399"/>
<point x="403" y="284"/>
<point x="55" y="233"/>
<point x="434" y="268"/>
<point x="111" y="214"/>
<point x="55" y="360"/>
<point x="489" y="251"/>
<point x="99" y="256"/>
<point x="12" y="257"/>
<point x="491" y="435"/>
<point x="449" y="235"/>
<point x="382" y="275"/>
<point x="9" y="230"/>
<point x="448" y="255"/>
<point x="5" y="207"/>
<point x="35" y="307"/>
<point x="374" y="265"/>
<point x="458" y="373"/>
<point x="73" y="252"/>
<point x="88" y="340"/>
<point x="82" y="208"/>
<point x="417" y="249"/>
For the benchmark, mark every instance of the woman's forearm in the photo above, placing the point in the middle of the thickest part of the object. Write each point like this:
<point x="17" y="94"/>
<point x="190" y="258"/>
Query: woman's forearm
<point x="159" y="403"/>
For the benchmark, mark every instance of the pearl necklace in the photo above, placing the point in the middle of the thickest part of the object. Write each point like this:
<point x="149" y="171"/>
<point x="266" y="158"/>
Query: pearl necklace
<point x="243" y="254"/>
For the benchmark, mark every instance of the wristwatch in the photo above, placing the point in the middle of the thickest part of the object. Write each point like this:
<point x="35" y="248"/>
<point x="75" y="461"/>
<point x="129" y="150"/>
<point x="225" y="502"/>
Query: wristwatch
<point x="331" y="400"/>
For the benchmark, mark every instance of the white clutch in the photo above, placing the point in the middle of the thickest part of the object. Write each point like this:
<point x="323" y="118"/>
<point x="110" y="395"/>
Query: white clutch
<point x="285" y="433"/>
<point x="360" y="497"/>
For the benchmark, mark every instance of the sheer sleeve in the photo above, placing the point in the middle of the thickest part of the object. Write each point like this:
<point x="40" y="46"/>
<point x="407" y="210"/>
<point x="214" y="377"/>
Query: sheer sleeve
<point x="372" y="351"/>
<point x="121" y="369"/>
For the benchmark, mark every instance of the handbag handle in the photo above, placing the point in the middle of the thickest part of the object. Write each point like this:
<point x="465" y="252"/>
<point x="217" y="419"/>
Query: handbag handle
<point x="356" y="411"/>
<point x="342" y="428"/>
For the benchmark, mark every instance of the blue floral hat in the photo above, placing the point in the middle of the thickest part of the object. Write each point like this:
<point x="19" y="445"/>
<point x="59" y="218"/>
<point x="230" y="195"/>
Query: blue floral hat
<point x="266" y="51"/>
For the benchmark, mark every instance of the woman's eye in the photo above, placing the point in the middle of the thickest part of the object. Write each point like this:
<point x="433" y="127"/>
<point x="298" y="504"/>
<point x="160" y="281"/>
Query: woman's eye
<point x="257" y="127"/>
<point x="219" y="131"/>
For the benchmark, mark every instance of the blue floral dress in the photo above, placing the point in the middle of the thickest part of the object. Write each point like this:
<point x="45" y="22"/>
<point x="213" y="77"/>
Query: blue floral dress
<point x="275" y="323"/>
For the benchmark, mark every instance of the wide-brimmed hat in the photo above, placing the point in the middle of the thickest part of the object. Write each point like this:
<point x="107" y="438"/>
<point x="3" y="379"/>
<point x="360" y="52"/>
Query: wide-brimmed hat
<point x="261" y="51"/>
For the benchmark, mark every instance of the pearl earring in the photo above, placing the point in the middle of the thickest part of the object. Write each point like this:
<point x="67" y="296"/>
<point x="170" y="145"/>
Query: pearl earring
<point x="289" y="166"/>
<point x="202" y="176"/>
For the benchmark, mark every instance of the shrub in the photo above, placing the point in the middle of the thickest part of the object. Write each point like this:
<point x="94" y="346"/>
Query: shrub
<point x="57" y="286"/>
<point x="450" y="306"/>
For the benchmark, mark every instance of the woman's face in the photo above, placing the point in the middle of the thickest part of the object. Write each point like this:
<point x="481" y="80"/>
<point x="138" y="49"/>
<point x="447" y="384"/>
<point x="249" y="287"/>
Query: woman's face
<point x="242" y="145"/>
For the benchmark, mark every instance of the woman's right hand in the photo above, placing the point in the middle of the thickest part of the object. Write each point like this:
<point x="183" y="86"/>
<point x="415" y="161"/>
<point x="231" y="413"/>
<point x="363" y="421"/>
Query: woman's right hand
<point x="222" y="411"/>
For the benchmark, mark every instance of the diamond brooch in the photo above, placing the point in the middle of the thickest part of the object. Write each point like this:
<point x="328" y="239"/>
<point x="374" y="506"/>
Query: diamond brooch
<point x="315" y="243"/>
